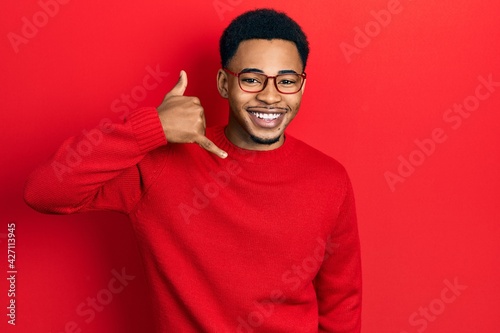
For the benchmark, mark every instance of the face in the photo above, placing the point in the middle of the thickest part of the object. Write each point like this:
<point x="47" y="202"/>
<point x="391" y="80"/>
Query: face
<point x="257" y="121"/>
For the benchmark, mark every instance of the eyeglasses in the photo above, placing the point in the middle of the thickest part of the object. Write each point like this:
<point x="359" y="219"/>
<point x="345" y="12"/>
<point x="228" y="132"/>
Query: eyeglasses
<point x="253" y="82"/>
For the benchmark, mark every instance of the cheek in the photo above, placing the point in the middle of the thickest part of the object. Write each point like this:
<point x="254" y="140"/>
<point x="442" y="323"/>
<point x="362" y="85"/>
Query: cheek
<point x="294" y="104"/>
<point x="236" y="105"/>
<point x="238" y="99"/>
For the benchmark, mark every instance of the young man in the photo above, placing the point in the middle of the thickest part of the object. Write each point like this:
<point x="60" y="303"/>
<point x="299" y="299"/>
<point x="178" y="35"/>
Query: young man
<point x="249" y="230"/>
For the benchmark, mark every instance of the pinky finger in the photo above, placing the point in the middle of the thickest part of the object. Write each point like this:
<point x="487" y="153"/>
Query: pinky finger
<point x="208" y="145"/>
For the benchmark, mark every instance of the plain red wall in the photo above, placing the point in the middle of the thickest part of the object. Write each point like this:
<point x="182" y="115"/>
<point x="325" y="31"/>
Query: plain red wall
<point x="378" y="92"/>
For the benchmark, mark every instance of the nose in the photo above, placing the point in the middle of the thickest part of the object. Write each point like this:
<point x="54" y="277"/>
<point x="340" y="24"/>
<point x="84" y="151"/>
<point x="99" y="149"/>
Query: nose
<point x="270" y="95"/>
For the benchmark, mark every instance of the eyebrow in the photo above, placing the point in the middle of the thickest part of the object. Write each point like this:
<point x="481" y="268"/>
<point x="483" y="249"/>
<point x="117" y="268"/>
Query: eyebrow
<point x="256" y="70"/>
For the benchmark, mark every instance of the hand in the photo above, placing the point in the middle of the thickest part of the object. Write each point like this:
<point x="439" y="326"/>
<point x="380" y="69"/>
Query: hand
<point x="183" y="119"/>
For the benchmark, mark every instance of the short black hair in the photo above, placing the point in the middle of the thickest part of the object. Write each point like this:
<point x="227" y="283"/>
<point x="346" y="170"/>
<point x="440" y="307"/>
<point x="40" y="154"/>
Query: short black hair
<point x="262" y="24"/>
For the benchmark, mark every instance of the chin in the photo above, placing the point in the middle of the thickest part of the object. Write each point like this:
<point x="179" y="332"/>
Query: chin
<point x="264" y="141"/>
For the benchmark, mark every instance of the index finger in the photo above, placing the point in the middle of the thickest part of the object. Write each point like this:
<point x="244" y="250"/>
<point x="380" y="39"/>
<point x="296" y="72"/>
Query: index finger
<point x="208" y="145"/>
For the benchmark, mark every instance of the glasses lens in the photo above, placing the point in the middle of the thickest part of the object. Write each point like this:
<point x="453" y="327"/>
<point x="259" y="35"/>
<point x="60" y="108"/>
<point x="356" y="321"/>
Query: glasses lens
<point x="289" y="83"/>
<point x="252" y="82"/>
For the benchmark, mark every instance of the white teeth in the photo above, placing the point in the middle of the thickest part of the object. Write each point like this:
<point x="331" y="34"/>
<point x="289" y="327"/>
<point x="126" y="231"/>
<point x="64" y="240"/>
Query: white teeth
<point x="267" y="116"/>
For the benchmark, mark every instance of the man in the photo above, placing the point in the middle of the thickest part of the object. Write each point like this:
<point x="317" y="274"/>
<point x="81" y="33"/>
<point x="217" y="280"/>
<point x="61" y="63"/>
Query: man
<point x="250" y="229"/>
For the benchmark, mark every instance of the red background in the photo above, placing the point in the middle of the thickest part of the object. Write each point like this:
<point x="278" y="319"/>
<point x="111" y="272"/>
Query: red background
<point x="366" y="109"/>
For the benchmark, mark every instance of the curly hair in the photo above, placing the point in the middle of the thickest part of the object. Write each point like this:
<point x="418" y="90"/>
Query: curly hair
<point x="262" y="24"/>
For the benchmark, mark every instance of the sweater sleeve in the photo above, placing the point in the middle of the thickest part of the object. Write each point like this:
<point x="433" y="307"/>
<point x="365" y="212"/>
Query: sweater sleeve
<point x="338" y="283"/>
<point x="97" y="170"/>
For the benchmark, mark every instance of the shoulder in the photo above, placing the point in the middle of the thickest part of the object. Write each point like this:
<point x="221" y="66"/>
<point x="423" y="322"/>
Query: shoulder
<point x="325" y="174"/>
<point x="315" y="159"/>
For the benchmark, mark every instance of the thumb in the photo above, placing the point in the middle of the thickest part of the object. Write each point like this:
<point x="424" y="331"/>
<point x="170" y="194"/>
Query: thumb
<point x="180" y="86"/>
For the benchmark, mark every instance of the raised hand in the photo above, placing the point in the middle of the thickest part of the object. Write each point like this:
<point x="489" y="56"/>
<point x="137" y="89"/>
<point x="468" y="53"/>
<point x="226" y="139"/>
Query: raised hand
<point x="183" y="118"/>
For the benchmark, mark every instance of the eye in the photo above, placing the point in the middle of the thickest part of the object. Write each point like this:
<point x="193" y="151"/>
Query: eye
<point x="250" y="80"/>
<point x="287" y="82"/>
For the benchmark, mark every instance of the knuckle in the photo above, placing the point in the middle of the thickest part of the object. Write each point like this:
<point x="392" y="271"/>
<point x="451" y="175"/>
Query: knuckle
<point x="198" y="122"/>
<point x="200" y="109"/>
<point x="207" y="144"/>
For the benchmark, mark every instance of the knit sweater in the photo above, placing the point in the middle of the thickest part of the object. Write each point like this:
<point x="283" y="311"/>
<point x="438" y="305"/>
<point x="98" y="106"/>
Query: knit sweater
<point x="262" y="241"/>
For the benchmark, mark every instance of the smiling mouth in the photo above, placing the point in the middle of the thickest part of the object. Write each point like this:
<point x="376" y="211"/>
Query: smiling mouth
<point x="267" y="112"/>
<point x="266" y="116"/>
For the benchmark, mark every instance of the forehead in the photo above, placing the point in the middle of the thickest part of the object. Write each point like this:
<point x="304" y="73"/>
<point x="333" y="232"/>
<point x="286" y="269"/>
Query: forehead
<point x="270" y="56"/>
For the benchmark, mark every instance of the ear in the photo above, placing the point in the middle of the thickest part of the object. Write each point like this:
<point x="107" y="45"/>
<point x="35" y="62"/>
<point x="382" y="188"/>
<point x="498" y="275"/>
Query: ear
<point x="222" y="84"/>
<point x="303" y="86"/>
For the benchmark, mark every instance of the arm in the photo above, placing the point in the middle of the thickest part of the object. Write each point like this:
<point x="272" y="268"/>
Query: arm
<point x="338" y="283"/>
<point x="99" y="169"/>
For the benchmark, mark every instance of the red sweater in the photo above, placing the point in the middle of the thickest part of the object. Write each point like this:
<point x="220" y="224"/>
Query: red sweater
<point x="257" y="242"/>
